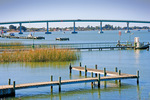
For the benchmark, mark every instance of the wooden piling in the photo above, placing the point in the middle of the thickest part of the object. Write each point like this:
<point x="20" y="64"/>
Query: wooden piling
<point x="80" y="64"/>
<point x="70" y="68"/>
<point x="95" y="68"/>
<point x="137" y="77"/>
<point x="119" y="80"/>
<point x="14" y="83"/>
<point x="59" y="84"/>
<point x="119" y="73"/>
<point x="85" y="71"/>
<point x="51" y="81"/>
<point x="116" y="70"/>
<point x="9" y="81"/>
<point x="98" y="80"/>
<point x="80" y="71"/>
<point x="92" y="82"/>
<point x="104" y="71"/>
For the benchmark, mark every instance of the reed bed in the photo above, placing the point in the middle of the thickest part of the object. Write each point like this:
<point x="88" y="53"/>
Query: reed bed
<point x="39" y="55"/>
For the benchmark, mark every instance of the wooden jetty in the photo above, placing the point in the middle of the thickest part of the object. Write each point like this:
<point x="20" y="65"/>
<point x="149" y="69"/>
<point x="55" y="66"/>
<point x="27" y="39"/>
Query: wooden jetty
<point x="9" y="90"/>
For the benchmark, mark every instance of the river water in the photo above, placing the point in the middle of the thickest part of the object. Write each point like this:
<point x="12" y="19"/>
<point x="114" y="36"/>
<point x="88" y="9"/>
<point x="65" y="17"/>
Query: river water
<point x="128" y="61"/>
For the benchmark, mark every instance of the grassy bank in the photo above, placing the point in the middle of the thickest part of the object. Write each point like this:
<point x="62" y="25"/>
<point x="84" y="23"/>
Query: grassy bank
<point x="39" y="55"/>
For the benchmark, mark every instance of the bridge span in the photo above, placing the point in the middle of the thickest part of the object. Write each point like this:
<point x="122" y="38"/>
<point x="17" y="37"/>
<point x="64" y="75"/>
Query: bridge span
<point x="74" y="21"/>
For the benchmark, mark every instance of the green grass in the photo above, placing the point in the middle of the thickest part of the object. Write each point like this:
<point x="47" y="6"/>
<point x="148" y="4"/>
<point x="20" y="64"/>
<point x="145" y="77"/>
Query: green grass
<point x="39" y="55"/>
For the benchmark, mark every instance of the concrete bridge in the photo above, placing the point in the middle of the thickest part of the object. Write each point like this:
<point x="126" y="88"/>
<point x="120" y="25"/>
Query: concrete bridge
<point x="74" y="21"/>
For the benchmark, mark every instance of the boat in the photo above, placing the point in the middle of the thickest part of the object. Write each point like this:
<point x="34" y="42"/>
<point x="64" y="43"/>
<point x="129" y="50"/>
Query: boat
<point x="143" y="47"/>
<point x="127" y="32"/>
<point x="11" y="34"/>
<point x="139" y="45"/>
<point x="39" y="37"/>
<point x="100" y="32"/>
<point x="62" y="39"/>
<point x="30" y="35"/>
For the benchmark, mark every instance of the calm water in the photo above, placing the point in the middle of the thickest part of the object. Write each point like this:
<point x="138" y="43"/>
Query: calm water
<point x="128" y="61"/>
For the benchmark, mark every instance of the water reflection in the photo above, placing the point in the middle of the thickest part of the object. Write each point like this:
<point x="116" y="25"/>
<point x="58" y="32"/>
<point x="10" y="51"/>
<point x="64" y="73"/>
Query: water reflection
<point x="40" y="64"/>
<point x="138" y="92"/>
<point x="137" y="55"/>
<point x="79" y="93"/>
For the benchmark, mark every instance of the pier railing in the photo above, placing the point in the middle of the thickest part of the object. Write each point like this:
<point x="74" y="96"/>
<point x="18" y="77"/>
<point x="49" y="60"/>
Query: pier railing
<point x="69" y="45"/>
<point x="97" y="45"/>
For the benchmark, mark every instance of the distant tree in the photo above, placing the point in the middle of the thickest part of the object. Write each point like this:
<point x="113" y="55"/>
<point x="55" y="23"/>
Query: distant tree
<point x="145" y="27"/>
<point x="2" y="28"/>
<point x="108" y="27"/>
<point x="22" y="27"/>
<point x="12" y="27"/>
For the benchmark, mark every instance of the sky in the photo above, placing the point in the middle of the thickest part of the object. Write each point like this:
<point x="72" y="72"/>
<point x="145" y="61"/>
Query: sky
<point x="26" y="10"/>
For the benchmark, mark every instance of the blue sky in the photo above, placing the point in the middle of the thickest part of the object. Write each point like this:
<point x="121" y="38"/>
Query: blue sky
<point x="24" y="10"/>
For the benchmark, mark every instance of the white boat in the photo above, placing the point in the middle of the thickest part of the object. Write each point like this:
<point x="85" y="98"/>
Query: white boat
<point x="30" y="35"/>
<point x="100" y="32"/>
<point x="127" y="31"/>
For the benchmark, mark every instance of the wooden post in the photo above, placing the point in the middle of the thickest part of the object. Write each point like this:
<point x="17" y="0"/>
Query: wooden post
<point x="14" y="86"/>
<point x="80" y="71"/>
<point x="137" y="77"/>
<point x="59" y="84"/>
<point x="119" y="72"/>
<point x="119" y="80"/>
<point x="98" y="80"/>
<point x="104" y="71"/>
<point x="95" y="68"/>
<point x="51" y="81"/>
<point x="80" y="64"/>
<point x="85" y="71"/>
<point x="9" y="81"/>
<point x="92" y="82"/>
<point x="116" y="69"/>
<point x="70" y="68"/>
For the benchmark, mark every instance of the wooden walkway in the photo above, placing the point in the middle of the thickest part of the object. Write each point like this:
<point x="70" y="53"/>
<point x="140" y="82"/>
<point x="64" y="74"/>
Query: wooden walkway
<point x="100" y="71"/>
<point x="53" y="83"/>
<point x="9" y="90"/>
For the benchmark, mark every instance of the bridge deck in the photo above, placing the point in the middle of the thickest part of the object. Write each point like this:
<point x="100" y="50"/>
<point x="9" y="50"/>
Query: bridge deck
<point x="74" y="20"/>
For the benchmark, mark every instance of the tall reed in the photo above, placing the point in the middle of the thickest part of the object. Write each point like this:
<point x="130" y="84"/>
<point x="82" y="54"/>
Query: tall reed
<point x="39" y="55"/>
